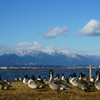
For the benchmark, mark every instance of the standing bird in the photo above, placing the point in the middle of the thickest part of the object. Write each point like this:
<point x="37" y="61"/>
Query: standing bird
<point x="97" y="81"/>
<point x="52" y="84"/>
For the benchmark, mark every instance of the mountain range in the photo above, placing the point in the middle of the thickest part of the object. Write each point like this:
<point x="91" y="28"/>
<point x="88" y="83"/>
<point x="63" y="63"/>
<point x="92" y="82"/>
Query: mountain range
<point x="53" y="57"/>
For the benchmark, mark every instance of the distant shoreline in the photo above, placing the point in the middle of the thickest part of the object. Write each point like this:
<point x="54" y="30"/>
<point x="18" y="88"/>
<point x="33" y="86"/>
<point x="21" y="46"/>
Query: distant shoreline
<point x="45" y="69"/>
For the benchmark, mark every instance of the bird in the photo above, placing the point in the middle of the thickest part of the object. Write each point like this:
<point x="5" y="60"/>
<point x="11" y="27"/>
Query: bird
<point x="57" y="77"/>
<point x="92" y="79"/>
<point x="25" y="80"/>
<point x="56" y="85"/>
<point x="45" y="80"/>
<point x="20" y="79"/>
<point x="16" y="79"/>
<point x="52" y="84"/>
<point x="5" y="84"/>
<point x="83" y="85"/>
<point x="1" y="86"/>
<point x="34" y="84"/>
<point x="73" y="80"/>
<point x="65" y="80"/>
<point x="39" y="78"/>
<point x="90" y="83"/>
<point x="97" y="81"/>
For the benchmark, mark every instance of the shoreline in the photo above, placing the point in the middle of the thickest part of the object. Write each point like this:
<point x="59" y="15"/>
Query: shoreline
<point x="45" y="69"/>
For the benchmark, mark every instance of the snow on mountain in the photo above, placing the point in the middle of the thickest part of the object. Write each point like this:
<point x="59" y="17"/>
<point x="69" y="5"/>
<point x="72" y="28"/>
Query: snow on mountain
<point x="49" y="57"/>
<point x="49" y="52"/>
<point x="55" y="53"/>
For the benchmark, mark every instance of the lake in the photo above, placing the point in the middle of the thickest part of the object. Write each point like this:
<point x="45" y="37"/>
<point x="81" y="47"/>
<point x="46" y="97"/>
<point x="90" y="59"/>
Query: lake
<point x="11" y="74"/>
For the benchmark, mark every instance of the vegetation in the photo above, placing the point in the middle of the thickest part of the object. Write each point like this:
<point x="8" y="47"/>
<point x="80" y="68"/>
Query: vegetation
<point x="21" y="91"/>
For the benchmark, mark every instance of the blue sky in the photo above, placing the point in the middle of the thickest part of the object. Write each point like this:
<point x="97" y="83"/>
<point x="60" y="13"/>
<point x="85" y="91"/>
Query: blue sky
<point x="72" y="25"/>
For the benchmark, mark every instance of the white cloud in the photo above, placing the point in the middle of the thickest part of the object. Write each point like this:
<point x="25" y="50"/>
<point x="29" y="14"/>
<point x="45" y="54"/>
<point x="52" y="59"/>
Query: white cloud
<point x="57" y="31"/>
<point x="52" y="47"/>
<point x="28" y="46"/>
<point x="4" y="49"/>
<point x="92" y="28"/>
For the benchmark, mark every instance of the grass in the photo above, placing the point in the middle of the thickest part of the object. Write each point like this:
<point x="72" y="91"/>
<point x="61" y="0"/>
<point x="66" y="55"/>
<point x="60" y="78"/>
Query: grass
<point x="21" y="91"/>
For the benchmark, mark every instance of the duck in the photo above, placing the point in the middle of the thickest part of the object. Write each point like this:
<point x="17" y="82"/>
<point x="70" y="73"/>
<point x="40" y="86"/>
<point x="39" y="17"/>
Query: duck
<point x="16" y="79"/>
<point x="1" y="86"/>
<point x="34" y="84"/>
<point x="5" y="85"/>
<point x="92" y="79"/>
<point x="1" y="83"/>
<point x="57" y="85"/>
<point x="25" y="80"/>
<point x="39" y="78"/>
<point x="53" y="85"/>
<point x="65" y="80"/>
<point x="90" y="83"/>
<point x="20" y="79"/>
<point x="83" y="85"/>
<point x="7" y="82"/>
<point x="45" y="80"/>
<point x="97" y="81"/>
<point x="70" y="78"/>
<point x="57" y="77"/>
<point x="73" y="80"/>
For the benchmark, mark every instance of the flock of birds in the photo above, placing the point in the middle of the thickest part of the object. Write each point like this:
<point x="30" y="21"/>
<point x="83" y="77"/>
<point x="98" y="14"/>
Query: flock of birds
<point x="57" y="83"/>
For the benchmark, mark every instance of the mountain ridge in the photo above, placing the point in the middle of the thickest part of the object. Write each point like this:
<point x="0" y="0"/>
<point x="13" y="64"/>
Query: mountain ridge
<point x="54" y="57"/>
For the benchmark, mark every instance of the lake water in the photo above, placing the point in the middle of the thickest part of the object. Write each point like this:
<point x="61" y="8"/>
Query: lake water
<point x="10" y="75"/>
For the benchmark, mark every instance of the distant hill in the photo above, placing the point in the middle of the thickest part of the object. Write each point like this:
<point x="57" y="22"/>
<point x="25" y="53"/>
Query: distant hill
<point x="63" y="58"/>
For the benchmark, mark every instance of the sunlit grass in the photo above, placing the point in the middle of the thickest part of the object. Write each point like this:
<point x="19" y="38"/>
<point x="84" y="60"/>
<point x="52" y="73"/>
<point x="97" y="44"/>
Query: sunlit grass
<point x="21" y="91"/>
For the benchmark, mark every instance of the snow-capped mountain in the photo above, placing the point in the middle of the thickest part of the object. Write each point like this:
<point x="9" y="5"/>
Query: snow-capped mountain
<point x="49" y="57"/>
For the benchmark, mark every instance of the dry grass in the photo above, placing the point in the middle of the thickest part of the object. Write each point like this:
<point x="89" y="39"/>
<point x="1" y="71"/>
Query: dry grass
<point x="21" y="91"/>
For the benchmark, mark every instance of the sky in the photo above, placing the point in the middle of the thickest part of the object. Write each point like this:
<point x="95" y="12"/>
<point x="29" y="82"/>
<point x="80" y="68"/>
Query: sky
<point x="72" y="25"/>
